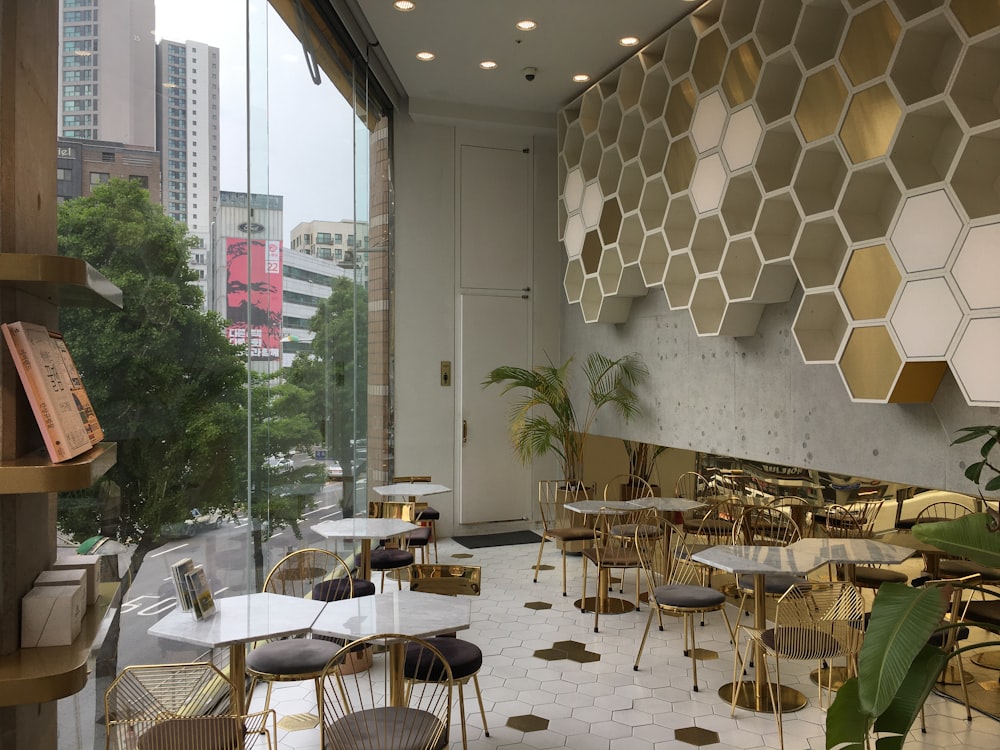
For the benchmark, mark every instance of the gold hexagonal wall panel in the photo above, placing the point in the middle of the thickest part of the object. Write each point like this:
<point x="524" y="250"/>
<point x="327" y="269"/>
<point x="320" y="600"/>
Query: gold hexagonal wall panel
<point x="742" y="72"/>
<point x="868" y="44"/>
<point x="870" y="122"/>
<point x="870" y="282"/>
<point x="680" y="107"/>
<point x="976" y="16"/>
<point x="709" y="59"/>
<point x="870" y="364"/>
<point x="821" y="104"/>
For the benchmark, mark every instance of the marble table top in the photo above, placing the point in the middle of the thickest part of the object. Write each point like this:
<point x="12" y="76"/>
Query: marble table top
<point x="756" y="559"/>
<point x="667" y="504"/>
<point x="593" y="507"/>
<point x="403" y="612"/>
<point x="363" y="528"/>
<point x="864" y="551"/>
<point x="410" y="489"/>
<point x="240" y="619"/>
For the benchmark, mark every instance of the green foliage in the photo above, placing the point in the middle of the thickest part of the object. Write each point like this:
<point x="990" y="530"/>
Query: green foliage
<point x="990" y="435"/>
<point x="165" y="383"/>
<point x="559" y="428"/>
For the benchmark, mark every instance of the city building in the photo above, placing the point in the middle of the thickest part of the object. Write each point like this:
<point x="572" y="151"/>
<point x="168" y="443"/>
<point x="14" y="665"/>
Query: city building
<point x="187" y="134"/>
<point x="106" y="71"/>
<point x="81" y="164"/>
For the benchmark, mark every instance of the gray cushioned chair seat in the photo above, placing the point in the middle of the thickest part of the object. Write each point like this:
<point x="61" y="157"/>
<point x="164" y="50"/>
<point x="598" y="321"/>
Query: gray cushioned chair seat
<point x="960" y="568"/>
<point x="419" y="537"/>
<point x="677" y="595"/>
<point x="292" y="656"/>
<point x="803" y="643"/>
<point x="382" y="727"/>
<point x="774" y="583"/>
<point x="464" y="658"/>
<point x="209" y="733"/>
<point x="429" y="514"/>
<point x="874" y="577"/>
<point x="338" y="588"/>
<point x="391" y="558"/>
<point x="984" y="611"/>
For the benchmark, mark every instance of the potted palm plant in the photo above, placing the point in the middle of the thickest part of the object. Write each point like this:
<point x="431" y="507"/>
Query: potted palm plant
<point x="543" y="419"/>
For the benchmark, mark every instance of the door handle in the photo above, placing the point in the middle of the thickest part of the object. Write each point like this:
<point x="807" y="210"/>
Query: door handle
<point x="465" y="430"/>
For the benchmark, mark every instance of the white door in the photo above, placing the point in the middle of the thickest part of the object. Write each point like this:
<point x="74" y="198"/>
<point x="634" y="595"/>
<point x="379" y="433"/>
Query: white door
<point x="496" y="486"/>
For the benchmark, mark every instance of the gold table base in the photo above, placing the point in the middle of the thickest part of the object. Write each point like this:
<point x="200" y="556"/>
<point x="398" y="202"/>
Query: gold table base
<point x="824" y="677"/>
<point x="790" y="698"/>
<point x="988" y="659"/>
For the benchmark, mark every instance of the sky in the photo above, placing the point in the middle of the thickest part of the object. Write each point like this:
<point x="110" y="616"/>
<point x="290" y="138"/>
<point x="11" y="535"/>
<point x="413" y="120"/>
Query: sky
<point x="310" y="129"/>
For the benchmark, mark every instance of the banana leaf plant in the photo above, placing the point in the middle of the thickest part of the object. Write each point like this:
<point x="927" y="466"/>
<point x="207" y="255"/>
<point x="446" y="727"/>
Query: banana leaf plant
<point x="897" y="668"/>
<point x="543" y="419"/>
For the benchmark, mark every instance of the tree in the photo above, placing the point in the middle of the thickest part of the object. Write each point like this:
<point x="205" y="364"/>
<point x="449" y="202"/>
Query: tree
<point x="167" y="386"/>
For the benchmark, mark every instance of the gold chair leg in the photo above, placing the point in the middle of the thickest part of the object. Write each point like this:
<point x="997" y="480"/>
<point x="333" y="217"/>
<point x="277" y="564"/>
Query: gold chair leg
<point x="461" y="710"/>
<point x="645" y="633"/>
<point x="482" y="708"/>
<point x="541" y="548"/>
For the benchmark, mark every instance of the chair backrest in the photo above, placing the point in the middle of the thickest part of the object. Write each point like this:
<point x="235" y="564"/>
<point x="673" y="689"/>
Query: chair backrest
<point x="946" y="510"/>
<point x="690" y="485"/>
<point x="717" y="522"/>
<point x="142" y="698"/>
<point x="368" y="709"/>
<point x="676" y="568"/>
<point x="616" y="532"/>
<point x="841" y="522"/>
<point x="953" y="589"/>
<point x="764" y="525"/>
<point x="627" y="487"/>
<point x="833" y="608"/>
<point x="553" y="496"/>
<point x="452" y="580"/>
<point x="299" y="572"/>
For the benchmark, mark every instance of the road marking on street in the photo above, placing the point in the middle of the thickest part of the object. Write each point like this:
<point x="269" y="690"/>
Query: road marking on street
<point x="329" y="515"/>
<point x="168" y="551"/>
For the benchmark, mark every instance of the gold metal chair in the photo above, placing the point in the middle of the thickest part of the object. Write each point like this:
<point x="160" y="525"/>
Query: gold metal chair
<point x="375" y="709"/>
<point x="614" y="549"/>
<point x="814" y="621"/>
<point x="557" y="525"/>
<point x="180" y="707"/>
<point x="627" y="487"/>
<point x="765" y="526"/>
<point x="464" y="657"/>
<point x="682" y="590"/>
<point x="392" y="554"/>
<point x="690" y="485"/>
<point x="425" y="513"/>
<point x="308" y="573"/>
<point x="842" y="523"/>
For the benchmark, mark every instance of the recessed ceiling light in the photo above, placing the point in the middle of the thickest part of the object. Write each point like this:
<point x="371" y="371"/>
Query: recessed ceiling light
<point x="404" y="5"/>
<point x="425" y="56"/>
<point x="581" y="78"/>
<point x="488" y="65"/>
<point x="628" y="41"/>
<point x="526" y="25"/>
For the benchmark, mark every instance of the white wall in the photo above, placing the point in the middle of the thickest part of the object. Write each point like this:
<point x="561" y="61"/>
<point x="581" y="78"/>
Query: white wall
<point x="426" y="291"/>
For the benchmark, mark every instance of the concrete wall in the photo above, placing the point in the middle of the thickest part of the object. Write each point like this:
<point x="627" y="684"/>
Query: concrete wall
<point x="754" y="398"/>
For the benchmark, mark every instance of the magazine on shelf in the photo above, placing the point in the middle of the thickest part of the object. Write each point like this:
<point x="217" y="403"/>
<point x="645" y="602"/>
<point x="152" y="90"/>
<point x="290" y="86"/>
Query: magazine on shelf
<point x="178" y="572"/>
<point x="55" y="391"/>
<point x="202" y="601"/>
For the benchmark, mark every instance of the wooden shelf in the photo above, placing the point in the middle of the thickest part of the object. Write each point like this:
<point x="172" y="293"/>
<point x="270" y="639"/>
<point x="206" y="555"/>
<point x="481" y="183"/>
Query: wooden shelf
<point x="35" y="473"/>
<point x="40" y="675"/>
<point x="62" y="281"/>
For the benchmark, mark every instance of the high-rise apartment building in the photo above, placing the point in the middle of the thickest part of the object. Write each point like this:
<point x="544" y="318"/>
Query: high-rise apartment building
<point x="345" y="242"/>
<point x="106" y="71"/>
<point x="187" y="112"/>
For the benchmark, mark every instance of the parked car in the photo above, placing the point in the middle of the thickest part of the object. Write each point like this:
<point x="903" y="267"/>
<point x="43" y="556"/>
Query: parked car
<point x="279" y="462"/>
<point x="334" y="470"/>
<point x="211" y="519"/>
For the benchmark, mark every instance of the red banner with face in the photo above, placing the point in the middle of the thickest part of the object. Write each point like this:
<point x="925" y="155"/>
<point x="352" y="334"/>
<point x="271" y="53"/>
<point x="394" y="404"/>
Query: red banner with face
<point x="253" y="296"/>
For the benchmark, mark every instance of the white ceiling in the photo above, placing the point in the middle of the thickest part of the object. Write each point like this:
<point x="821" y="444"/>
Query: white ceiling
<point x="573" y="36"/>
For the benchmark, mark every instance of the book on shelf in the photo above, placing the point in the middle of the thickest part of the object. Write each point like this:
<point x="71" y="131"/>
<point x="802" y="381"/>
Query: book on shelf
<point x="202" y="601"/>
<point x="55" y="391"/>
<point x="178" y="572"/>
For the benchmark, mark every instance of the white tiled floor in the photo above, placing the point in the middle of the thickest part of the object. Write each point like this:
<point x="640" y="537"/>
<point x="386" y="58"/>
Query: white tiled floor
<point x="605" y="704"/>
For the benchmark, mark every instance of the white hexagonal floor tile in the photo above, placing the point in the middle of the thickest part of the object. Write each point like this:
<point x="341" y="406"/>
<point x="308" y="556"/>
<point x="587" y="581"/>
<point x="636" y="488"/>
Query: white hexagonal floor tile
<point x="975" y="361"/>
<point x="926" y="231"/>
<point x="708" y="122"/>
<point x="926" y="318"/>
<point x="977" y="267"/>
<point x="591" y="206"/>
<point x="708" y="183"/>
<point x="743" y="132"/>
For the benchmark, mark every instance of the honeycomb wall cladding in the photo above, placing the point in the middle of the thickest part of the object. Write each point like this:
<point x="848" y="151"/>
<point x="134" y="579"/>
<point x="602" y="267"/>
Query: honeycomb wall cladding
<point x="849" y="147"/>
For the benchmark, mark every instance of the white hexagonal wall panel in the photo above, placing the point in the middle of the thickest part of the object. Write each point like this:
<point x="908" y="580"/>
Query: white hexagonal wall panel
<point x="739" y="144"/>
<point x="573" y="190"/>
<point x="708" y="183"/>
<point x="977" y="267"/>
<point x="926" y="231"/>
<point x="926" y="318"/>
<point x="593" y="201"/>
<point x="709" y="121"/>
<point x="573" y="237"/>
<point x="976" y="360"/>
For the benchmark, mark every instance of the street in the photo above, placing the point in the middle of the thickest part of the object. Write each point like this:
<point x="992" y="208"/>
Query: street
<point x="227" y="555"/>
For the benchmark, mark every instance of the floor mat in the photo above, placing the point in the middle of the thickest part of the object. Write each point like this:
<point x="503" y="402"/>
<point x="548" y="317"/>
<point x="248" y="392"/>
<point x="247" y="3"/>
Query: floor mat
<point x="498" y="540"/>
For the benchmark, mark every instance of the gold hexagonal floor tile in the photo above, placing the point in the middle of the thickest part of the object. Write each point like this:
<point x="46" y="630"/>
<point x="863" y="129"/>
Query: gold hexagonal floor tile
<point x="528" y="723"/>
<point x="537" y="605"/>
<point x="696" y="736"/>
<point x="462" y="555"/>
